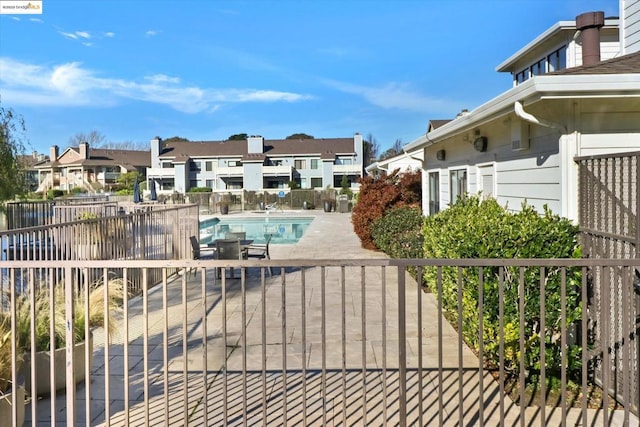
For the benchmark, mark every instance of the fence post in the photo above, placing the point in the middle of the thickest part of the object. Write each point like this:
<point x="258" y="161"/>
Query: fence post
<point x="69" y="326"/>
<point x="402" y="350"/>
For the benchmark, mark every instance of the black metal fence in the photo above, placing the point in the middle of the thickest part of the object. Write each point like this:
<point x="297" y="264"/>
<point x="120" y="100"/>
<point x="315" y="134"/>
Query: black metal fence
<point x="609" y="210"/>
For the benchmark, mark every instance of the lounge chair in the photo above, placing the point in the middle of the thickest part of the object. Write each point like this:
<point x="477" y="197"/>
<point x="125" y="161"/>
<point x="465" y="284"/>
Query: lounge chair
<point x="260" y="251"/>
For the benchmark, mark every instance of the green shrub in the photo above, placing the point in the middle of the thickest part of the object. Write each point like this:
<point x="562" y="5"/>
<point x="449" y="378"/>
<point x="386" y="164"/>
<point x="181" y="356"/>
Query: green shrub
<point x="483" y="229"/>
<point x="53" y="193"/>
<point x="200" y="190"/>
<point x="399" y="232"/>
<point x="77" y="190"/>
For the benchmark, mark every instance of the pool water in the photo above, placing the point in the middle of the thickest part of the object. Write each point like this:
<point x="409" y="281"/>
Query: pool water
<point x="284" y="230"/>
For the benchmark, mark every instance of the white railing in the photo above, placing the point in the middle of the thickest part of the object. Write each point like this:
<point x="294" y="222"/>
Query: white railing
<point x="342" y="169"/>
<point x="160" y="172"/>
<point x="276" y="170"/>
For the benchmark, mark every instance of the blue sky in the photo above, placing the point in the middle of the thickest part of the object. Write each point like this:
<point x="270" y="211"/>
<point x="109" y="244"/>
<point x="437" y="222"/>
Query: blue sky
<point x="205" y="70"/>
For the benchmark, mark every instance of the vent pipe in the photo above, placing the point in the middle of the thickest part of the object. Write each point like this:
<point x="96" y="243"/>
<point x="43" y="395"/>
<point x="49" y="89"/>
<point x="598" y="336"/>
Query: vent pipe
<point x="589" y="25"/>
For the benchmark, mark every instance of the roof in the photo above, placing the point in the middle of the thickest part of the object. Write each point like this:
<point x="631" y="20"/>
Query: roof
<point x="548" y="36"/>
<point x="435" y="124"/>
<point x="627" y="64"/>
<point x="128" y="159"/>
<point x="548" y="86"/>
<point x="322" y="147"/>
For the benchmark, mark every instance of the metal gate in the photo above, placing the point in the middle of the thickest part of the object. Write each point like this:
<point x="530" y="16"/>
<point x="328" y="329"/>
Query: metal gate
<point x="609" y="203"/>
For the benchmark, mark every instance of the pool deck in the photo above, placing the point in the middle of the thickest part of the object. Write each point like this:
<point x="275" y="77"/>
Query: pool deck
<point x="330" y="236"/>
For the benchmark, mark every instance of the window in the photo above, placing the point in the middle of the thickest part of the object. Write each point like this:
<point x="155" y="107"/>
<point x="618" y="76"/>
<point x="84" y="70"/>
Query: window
<point x="457" y="185"/>
<point x="210" y="184"/>
<point x="234" y="163"/>
<point x="194" y="166"/>
<point x="557" y="60"/>
<point x="522" y="76"/>
<point x="539" y="67"/>
<point x="345" y="161"/>
<point x="276" y="162"/>
<point x="193" y="183"/>
<point x="434" y="193"/>
<point x="316" y="182"/>
<point x="303" y="182"/>
<point x="314" y="163"/>
<point x="208" y="166"/>
<point x="167" y="165"/>
<point x="300" y="164"/>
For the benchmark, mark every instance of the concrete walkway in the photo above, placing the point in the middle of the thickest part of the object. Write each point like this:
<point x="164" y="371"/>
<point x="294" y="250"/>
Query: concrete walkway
<point x="267" y="358"/>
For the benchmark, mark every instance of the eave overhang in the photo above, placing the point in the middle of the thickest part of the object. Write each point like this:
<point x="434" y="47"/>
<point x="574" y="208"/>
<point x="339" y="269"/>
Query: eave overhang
<point x="531" y="91"/>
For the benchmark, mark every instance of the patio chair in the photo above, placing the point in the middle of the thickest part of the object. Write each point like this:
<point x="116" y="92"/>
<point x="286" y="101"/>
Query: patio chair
<point x="242" y="235"/>
<point x="229" y="249"/>
<point x="201" y="252"/>
<point x="260" y="251"/>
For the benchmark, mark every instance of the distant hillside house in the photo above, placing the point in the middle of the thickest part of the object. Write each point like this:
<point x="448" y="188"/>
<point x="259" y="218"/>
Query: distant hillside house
<point x="255" y="163"/>
<point x="575" y="92"/>
<point x="89" y="168"/>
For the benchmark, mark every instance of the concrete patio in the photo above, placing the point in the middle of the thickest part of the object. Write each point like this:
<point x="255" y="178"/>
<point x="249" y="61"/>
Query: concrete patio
<point x="271" y="361"/>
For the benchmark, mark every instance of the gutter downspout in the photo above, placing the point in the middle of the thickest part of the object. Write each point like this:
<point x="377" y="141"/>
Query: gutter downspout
<point x="519" y="110"/>
<point x="568" y="178"/>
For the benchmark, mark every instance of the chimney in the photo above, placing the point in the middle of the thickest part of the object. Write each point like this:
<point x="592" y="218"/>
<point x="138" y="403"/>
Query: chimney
<point x="53" y="153"/>
<point x="589" y="25"/>
<point x="156" y="150"/>
<point x="255" y="144"/>
<point x="84" y="150"/>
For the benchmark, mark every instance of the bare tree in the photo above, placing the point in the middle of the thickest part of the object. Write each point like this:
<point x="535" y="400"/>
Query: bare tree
<point x="97" y="139"/>
<point x="94" y="138"/>
<point x="125" y="145"/>
<point x="371" y="149"/>
<point x="392" y="151"/>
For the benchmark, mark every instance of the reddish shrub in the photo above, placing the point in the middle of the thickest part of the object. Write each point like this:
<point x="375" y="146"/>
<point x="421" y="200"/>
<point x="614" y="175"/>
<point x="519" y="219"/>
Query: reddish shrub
<point x="377" y="195"/>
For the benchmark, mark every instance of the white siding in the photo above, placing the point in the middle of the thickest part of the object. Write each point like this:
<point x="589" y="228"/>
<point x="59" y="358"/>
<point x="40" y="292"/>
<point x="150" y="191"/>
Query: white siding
<point x="630" y="26"/>
<point x="609" y="48"/>
<point x="612" y="132"/>
<point x="526" y="179"/>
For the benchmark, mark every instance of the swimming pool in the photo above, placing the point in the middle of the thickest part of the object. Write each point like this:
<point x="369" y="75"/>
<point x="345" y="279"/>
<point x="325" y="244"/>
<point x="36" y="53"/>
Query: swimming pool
<point x="284" y="230"/>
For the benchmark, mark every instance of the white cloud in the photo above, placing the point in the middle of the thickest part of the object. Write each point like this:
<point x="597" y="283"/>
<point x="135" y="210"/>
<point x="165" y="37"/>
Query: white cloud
<point x="70" y="84"/>
<point x="69" y="35"/>
<point x="15" y="18"/>
<point x="83" y="34"/>
<point x="391" y="96"/>
<point x="109" y="34"/>
<point x="151" y="33"/>
<point x="162" y="78"/>
<point x="38" y="20"/>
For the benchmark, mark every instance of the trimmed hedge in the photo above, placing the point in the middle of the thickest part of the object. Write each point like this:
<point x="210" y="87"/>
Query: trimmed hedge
<point x="474" y="228"/>
<point x="399" y="232"/>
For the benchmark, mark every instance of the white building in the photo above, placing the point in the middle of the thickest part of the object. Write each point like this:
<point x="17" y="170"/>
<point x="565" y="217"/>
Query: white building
<point x="576" y="92"/>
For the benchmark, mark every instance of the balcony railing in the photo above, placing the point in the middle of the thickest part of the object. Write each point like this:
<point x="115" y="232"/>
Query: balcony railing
<point x="276" y="171"/>
<point x="161" y="173"/>
<point x="350" y="342"/>
<point x="342" y="169"/>
<point x="230" y="171"/>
